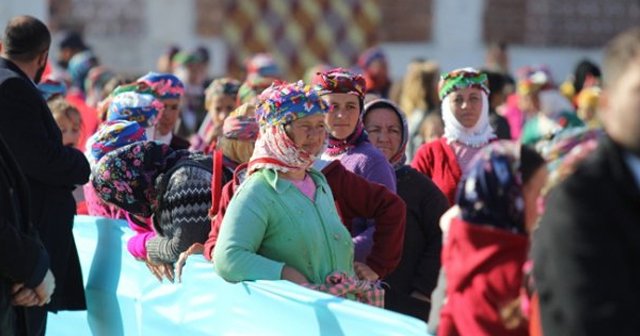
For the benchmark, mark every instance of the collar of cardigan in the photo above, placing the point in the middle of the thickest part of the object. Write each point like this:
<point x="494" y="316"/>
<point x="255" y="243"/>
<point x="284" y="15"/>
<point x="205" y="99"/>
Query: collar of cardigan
<point x="280" y="185"/>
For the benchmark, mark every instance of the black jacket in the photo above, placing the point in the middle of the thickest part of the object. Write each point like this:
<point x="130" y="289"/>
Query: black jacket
<point x="500" y="125"/>
<point x="51" y="170"/>
<point x="420" y="263"/>
<point x="587" y="250"/>
<point x="23" y="259"/>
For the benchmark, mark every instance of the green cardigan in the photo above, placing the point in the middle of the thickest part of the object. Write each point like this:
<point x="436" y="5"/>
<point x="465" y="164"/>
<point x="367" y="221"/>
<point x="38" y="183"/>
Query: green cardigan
<point x="270" y="223"/>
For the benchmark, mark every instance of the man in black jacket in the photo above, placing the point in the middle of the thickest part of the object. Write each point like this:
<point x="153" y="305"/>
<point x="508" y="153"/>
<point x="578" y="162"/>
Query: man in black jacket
<point x="25" y="278"/>
<point x="587" y="250"/>
<point x="51" y="169"/>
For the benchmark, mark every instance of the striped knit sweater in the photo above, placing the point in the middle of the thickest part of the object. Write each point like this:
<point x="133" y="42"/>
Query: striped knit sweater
<point x="182" y="216"/>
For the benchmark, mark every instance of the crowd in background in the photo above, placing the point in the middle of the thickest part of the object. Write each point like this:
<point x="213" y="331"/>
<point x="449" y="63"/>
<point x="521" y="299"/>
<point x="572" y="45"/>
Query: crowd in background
<point x="481" y="201"/>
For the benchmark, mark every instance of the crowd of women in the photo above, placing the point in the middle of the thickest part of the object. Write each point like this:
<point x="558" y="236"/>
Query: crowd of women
<point x="419" y="196"/>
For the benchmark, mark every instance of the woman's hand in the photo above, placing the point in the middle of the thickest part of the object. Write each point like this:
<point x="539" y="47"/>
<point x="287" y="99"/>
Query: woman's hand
<point x="293" y="275"/>
<point x="365" y="272"/>
<point x="160" y="270"/>
<point x="196" y="248"/>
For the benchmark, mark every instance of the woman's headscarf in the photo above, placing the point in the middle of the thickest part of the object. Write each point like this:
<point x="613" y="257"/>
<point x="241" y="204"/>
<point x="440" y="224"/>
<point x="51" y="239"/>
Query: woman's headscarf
<point x="51" y="88"/>
<point x="533" y="79"/>
<point x="556" y="111"/>
<point x="142" y="108"/>
<point x="263" y="65"/>
<point x="113" y="135"/>
<point x="343" y="81"/>
<point x="566" y="140"/>
<point x="481" y="133"/>
<point x="222" y="87"/>
<point x="280" y="105"/>
<point x="567" y="149"/>
<point x="399" y="158"/>
<point x="376" y="83"/>
<point x="239" y="133"/>
<point x="79" y="66"/>
<point x="491" y="191"/>
<point x="165" y="86"/>
<point x="252" y="87"/>
<point x="125" y="177"/>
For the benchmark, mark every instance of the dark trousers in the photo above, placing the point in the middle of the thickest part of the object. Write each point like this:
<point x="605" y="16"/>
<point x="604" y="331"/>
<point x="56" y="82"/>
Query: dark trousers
<point x="31" y="321"/>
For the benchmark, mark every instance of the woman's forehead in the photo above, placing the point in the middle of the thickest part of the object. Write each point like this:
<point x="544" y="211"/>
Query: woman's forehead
<point x="385" y="114"/>
<point x="466" y="91"/>
<point x="342" y="98"/>
<point x="314" y="118"/>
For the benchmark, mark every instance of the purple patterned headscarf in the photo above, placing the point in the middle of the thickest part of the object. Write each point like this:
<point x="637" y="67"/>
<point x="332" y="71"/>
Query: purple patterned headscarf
<point x="280" y="105"/>
<point x="240" y="128"/>
<point x="166" y="86"/>
<point x="113" y="135"/>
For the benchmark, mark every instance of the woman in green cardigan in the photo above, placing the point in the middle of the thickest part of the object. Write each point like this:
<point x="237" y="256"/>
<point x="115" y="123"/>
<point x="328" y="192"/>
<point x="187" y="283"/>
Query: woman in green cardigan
<point x="282" y="222"/>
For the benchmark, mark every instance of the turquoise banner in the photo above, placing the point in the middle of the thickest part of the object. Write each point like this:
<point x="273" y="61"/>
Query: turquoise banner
<point x="125" y="299"/>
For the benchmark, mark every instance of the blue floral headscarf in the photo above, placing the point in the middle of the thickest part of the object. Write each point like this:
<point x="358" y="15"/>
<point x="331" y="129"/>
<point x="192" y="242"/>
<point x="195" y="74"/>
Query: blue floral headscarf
<point x="491" y="191"/>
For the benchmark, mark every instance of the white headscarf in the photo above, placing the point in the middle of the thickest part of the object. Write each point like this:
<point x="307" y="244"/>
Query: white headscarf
<point x="476" y="136"/>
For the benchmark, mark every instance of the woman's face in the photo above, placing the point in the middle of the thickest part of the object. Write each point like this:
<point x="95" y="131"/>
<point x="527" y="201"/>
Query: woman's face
<point x="169" y="116"/>
<point x="432" y="129"/>
<point x="70" y="129"/>
<point x="466" y="105"/>
<point x="385" y="130"/>
<point x="219" y="109"/>
<point x="308" y="133"/>
<point x="531" y="192"/>
<point x="529" y="103"/>
<point x="343" y="114"/>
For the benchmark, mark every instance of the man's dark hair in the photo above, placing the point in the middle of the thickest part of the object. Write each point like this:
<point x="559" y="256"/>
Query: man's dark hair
<point x="497" y="81"/>
<point x="583" y="69"/>
<point x="25" y="38"/>
<point x="72" y="40"/>
<point x="202" y="54"/>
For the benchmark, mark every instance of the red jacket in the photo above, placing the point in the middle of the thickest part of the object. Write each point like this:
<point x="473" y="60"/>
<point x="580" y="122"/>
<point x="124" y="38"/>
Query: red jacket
<point x="483" y="267"/>
<point x="355" y="197"/>
<point x="437" y="160"/>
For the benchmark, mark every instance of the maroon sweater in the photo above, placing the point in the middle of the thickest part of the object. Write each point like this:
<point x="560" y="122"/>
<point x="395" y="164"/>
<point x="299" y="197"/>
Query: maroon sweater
<point x="437" y="160"/>
<point x="355" y="197"/>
